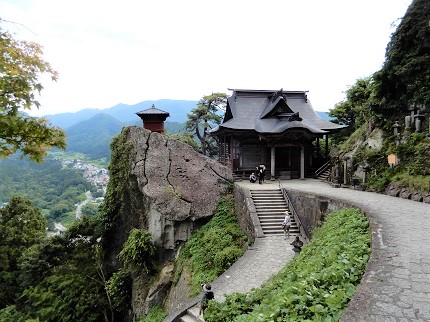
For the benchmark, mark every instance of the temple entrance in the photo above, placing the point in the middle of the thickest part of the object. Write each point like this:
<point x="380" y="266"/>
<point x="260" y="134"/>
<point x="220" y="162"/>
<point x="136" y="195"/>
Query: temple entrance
<point x="287" y="160"/>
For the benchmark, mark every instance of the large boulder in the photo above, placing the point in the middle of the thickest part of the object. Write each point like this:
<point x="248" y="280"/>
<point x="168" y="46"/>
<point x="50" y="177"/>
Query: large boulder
<point x="181" y="186"/>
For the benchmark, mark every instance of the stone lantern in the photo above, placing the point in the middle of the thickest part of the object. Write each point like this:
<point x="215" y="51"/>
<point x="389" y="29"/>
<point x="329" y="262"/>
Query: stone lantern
<point x="396" y="128"/>
<point x="153" y="119"/>
<point x="366" y="169"/>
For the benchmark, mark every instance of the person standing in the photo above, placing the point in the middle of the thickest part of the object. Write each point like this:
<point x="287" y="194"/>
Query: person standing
<point x="261" y="173"/>
<point x="286" y="224"/>
<point x="207" y="296"/>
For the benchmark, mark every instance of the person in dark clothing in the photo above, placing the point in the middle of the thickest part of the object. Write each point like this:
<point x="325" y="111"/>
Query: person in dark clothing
<point x="207" y="296"/>
<point x="261" y="173"/>
<point x="297" y="245"/>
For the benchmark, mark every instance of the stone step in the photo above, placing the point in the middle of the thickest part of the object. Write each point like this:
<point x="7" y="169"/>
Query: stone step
<point x="192" y="315"/>
<point x="275" y="225"/>
<point x="271" y="206"/>
<point x="275" y="211"/>
<point x="280" y="232"/>
<point x="265" y="199"/>
<point x="266" y="195"/>
<point x="278" y="220"/>
<point x="268" y="215"/>
<point x="188" y="318"/>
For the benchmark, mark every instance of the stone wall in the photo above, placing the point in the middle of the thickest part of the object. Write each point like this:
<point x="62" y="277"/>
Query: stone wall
<point x="404" y="193"/>
<point x="312" y="209"/>
<point x="247" y="214"/>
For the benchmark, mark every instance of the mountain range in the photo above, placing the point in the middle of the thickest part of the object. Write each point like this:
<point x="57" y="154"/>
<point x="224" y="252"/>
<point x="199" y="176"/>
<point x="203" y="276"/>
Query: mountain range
<point x="178" y="110"/>
<point x="90" y="131"/>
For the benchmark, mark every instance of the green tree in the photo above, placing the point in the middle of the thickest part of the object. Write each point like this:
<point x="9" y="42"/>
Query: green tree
<point x="405" y="76"/>
<point x="355" y="109"/>
<point x="21" y="226"/>
<point x="203" y="118"/>
<point x="64" y="279"/>
<point x="187" y="138"/>
<point x="21" y="65"/>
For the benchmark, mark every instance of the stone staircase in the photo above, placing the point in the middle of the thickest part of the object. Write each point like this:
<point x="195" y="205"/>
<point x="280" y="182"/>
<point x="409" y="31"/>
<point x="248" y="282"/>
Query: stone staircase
<point x="192" y="315"/>
<point x="324" y="176"/>
<point x="271" y="207"/>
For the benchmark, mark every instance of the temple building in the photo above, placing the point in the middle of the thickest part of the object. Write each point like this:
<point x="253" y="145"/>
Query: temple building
<point x="153" y="119"/>
<point x="273" y="127"/>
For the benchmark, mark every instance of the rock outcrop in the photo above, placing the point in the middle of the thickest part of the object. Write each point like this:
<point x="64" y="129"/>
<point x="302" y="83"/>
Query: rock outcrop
<point x="181" y="186"/>
<point x="162" y="185"/>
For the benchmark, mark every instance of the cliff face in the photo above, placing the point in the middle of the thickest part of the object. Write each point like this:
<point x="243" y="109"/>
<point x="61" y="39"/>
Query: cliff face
<point x="179" y="186"/>
<point x="164" y="186"/>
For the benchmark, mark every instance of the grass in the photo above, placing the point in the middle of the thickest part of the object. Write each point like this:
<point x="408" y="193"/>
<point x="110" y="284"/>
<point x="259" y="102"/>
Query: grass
<point x="316" y="285"/>
<point x="155" y="314"/>
<point x="213" y="248"/>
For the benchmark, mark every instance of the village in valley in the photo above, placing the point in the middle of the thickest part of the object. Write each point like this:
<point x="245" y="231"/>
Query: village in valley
<point x="99" y="177"/>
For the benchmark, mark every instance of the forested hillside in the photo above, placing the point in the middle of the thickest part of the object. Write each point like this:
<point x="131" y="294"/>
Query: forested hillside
<point x="51" y="188"/>
<point x="92" y="137"/>
<point x="388" y="112"/>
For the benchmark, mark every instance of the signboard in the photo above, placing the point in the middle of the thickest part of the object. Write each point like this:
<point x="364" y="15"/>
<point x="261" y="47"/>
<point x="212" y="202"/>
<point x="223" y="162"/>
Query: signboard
<point x="392" y="160"/>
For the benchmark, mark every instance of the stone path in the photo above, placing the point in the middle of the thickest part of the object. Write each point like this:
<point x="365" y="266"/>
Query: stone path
<point x="265" y="258"/>
<point x="396" y="284"/>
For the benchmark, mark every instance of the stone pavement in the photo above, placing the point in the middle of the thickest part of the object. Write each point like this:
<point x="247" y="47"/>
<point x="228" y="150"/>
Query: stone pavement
<point x="262" y="260"/>
<point x="396" y="283"/>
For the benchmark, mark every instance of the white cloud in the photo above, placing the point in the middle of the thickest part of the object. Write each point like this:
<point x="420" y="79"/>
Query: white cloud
<point x="110" y="52"/>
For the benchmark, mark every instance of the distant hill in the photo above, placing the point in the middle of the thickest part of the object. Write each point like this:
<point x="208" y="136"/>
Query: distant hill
<point x="178" y="110"/>
<point x="92" y="137"/>
<point x="90" y="131"/>
<point x="324" y="116"/>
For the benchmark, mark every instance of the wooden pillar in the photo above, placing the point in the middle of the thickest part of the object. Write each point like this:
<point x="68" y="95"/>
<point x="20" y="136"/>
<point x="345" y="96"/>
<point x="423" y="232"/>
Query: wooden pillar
<point x="318" y="148"/>
<point x="302" y="162"/>
<point x="272" y="162"/>
<point x="326" y="146"/>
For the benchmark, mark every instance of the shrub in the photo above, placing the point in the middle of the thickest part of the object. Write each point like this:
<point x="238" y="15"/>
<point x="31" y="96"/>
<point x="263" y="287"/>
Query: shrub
<point x="214" y="248"/>
<point x="316" y="285"/>
<point x="138" y="250"/>
<point x="155" y="314"/>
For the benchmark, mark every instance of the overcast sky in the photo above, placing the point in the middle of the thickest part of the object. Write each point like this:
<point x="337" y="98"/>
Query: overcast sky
<point x="110" y="52"/>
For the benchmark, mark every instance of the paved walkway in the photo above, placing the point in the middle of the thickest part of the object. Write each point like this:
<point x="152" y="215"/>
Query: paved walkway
<point x="396" y="284"/>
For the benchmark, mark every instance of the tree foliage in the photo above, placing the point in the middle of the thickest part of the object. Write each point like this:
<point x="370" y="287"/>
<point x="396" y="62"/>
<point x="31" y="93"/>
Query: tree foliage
<point x="50" y="187"/>
<point x="355" y="109"/>
<point x="63" y="278"/>
<point x="21" y="226"/>
<point x="203" y="118"/>
<point x="386" y="97"/>
<point x="138" y="251"/>
<point x="21" y="65"/>
<point x="405" y="76"/>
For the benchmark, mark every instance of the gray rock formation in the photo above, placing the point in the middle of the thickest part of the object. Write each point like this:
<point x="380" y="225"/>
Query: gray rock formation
<point x="180" y="185"/>
<point x="172" y="191"/>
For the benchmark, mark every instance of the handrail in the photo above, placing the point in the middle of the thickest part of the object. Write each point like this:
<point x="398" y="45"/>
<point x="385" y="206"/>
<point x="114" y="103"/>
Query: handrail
<point x="322" y="168"/>
<point x="293" y="210"/>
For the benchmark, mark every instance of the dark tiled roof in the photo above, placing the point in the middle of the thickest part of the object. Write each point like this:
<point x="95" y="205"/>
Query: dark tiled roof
<point x="152" y="110"/>
<point x="265" y="111"/>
